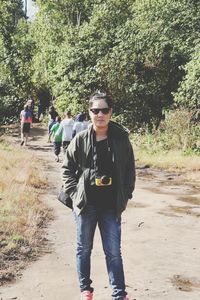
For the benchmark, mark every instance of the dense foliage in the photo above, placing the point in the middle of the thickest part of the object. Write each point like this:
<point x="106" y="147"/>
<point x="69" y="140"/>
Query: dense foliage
<point x="144" y="53"/>
<point x="188" y="94"/>
<point x="15" y="59"/>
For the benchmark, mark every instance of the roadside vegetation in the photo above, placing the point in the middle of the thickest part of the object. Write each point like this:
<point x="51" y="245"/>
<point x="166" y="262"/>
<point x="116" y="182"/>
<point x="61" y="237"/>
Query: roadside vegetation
<point x="174" y="146"/>
<point x="22" y="214"/>
<point x="145" y="54"/>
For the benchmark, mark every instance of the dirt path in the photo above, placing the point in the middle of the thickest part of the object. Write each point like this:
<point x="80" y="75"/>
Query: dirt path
<point x="160" y="242"/>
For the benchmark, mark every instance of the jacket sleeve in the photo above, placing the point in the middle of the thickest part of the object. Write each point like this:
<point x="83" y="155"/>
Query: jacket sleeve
<point x="70" y="168"/>
<point x="130" y="172"/>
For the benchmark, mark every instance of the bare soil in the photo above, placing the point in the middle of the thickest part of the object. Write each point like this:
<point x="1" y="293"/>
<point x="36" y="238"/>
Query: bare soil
<point x="160" y="240"/>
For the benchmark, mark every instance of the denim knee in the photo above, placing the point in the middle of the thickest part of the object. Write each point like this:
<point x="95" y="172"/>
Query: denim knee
<point x="83" y="251"/>
<point x="112" y="252"/>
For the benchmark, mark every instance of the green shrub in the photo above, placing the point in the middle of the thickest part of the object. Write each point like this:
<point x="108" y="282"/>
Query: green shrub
<point x="176" y="132"/>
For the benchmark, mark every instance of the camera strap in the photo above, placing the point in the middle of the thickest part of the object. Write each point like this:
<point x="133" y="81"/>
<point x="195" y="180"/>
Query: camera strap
<point x="95" y="156"/>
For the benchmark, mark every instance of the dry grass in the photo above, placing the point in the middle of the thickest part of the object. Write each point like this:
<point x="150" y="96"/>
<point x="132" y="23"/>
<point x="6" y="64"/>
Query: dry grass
<point x="22" y="213"/>
<point x="185" y="284"/>
<point x="190" y="199"/>
<point x="184" y="210"/>
<point x="172" y="160"/>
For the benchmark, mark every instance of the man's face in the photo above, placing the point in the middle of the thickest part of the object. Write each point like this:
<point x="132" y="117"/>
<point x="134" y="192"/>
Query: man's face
<point x="100" y="118"/>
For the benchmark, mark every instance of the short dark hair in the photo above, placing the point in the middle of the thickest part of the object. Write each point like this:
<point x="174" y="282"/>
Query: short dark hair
<point x="101" y="96"/>
<point x="68" y="113"/>
<point x="58" y="119"/>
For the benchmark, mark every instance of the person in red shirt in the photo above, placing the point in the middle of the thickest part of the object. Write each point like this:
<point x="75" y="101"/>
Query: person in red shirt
<point x="26" y="121"/>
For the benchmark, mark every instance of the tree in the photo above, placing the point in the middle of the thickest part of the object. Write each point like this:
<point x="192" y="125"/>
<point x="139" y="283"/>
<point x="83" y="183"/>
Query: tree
<point x="143" y="69"/>
<point x="136" y="51"/>
<point x="15" y="56"/>
<point x="188" y="94"/>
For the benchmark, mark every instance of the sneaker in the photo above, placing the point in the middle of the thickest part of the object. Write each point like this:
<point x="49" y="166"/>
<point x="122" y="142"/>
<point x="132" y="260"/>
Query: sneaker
<point x="86" y="295"/>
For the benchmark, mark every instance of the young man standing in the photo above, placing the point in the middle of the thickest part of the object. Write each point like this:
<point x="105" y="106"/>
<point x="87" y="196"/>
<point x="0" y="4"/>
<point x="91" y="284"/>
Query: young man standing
<point x="102" y="159"/>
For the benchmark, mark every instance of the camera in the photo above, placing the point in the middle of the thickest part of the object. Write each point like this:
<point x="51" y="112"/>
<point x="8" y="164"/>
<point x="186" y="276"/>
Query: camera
<point x="103" y="180"/>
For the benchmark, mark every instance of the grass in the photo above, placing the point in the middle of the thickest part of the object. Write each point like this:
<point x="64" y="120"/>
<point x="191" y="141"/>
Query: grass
<point x="174" y="145"/>
<point x="22" y="213"/>
<point x="172" y="160"/>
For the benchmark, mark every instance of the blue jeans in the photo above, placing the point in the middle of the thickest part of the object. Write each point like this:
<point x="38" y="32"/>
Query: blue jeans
<point x="110" y="230"/>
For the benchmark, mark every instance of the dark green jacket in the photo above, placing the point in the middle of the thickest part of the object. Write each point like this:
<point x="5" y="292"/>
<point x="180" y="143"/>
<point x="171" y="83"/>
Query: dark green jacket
<point x="78" y="160"/>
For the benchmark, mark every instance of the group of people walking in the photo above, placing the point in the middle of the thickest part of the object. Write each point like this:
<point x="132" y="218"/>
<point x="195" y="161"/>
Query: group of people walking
<point x="62" y="132"/>
<point x="99" y="176"/>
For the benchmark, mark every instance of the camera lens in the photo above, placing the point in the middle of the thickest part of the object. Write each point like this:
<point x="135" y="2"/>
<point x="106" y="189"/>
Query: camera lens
<point x="105" y="179"/>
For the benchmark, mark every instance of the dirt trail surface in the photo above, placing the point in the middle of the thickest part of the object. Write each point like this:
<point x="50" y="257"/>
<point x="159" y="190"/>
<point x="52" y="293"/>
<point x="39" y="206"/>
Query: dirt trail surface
<point x="160" y="241"/>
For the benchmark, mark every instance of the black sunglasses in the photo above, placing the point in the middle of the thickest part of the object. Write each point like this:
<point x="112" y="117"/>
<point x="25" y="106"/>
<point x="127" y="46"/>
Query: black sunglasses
<point x="104" y="111"/>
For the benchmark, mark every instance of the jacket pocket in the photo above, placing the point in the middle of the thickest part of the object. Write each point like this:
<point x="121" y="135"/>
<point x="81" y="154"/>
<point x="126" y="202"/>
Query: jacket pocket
<point x="79" y="196"/>
<point x="123" y="198"/>
<point x="78" y="199"/>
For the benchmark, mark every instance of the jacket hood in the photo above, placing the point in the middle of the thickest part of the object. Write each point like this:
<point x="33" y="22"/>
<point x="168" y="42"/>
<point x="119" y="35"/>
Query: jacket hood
<point x="114" y="129"/>
<point x="118" y="130"/>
